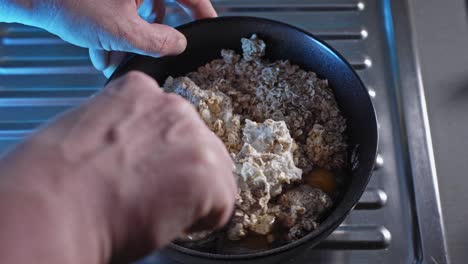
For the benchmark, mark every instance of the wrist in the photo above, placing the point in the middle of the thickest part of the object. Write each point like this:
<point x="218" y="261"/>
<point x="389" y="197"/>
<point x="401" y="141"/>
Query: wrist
<point x="44" y="197"/>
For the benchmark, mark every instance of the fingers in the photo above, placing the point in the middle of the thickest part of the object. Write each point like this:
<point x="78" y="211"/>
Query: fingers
<point x="145" y="38"/>
<point x="133" y="87"/>
<point x="152" y="10"/>
<point x="199" y="8"/>
<point x="99" y="58"/>
<point x="222" y="185"/>
<point x="217" y="218"/>
<point x="223" y="204"/>
<point x="134" y="34"/>
<point x="106" y="61"/>
<point x="138" y="3"/>
<point x="166" y="186"/>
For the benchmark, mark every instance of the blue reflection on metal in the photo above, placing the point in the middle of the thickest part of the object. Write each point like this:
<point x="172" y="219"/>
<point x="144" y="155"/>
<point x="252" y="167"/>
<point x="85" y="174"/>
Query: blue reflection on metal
<point x="47" y="70"/>
<point x="32" y="41"/>
<point x="38" y="102"/>
<point x="388" y="20"/>
<point x="393" y="59"/>
<point x="53" y="58"/>
<point x="13" y="134"/>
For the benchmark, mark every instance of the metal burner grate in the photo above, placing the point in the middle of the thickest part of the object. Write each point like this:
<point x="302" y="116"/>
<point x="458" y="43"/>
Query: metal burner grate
<point x="38" y="80"/>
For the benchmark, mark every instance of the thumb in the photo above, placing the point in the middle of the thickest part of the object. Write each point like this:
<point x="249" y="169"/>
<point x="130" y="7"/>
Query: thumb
<point x="152" y="39"/>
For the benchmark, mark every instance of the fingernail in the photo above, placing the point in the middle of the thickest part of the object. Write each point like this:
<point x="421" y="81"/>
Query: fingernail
<point x="181" y="44"/>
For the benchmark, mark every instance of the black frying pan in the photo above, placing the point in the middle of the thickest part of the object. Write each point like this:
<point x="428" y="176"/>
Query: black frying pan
<point x="206" y="38"/>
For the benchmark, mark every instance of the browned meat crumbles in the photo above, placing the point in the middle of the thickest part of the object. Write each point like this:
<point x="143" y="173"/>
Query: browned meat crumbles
<point x="215" y="109"/>
<point x="283" y="92"/>
<point x="278" y="122"/>
<point x="299" y="208"/>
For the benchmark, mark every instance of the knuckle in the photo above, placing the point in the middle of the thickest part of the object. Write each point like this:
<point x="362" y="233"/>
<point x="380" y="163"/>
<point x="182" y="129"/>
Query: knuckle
<point x="134" y="85"/>
<point x="229" y="194"/>
<point x="124" y="30"/>
<point x="123" y="34"/>
<point x="184" y="126"/>
<point x="225" y="208"/>
<point x="224" y="219"/>
<point x="142" y="41"/>
<point x="136" y="77"/>
<point x="204" y="206"/>
<point x="141" y="44"/>
<point x="226" y="201"/>
<point x="174" y="100"/>
<point x="203" y="160"/>
<point x="180" y="108"/>
<point x="164" y="45"/>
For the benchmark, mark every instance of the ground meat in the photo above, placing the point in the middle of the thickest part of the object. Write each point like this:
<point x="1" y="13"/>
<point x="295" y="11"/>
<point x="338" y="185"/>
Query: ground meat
<point x="299" y="208"/>
<point x="278" y="122"/>
<point x="280" y="91"/>
<point x="243" y="223"/>
<point x="254" y="48"/>
<point x="267" y="156"/>
<point x="324" y="147"/>
<point x="215" y="109"/>
<point x="264" y="164"/>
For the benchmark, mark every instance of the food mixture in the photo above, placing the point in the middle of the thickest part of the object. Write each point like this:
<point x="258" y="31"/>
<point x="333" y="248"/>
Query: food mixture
<point x="285" y="133"/>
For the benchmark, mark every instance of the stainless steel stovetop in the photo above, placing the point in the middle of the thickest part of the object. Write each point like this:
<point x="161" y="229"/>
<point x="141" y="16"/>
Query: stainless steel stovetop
<point x="398" y="219"/>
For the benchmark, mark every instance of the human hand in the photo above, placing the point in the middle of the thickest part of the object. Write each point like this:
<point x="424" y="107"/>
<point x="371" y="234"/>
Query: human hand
<point x="108" y="25"/>
<point x="153" y="11"/>
<point x="123" y="174"/>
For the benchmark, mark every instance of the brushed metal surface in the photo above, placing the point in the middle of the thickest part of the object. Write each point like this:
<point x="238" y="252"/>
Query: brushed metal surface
<point x="41" y="76"/>
<point x="442" y="72"/>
